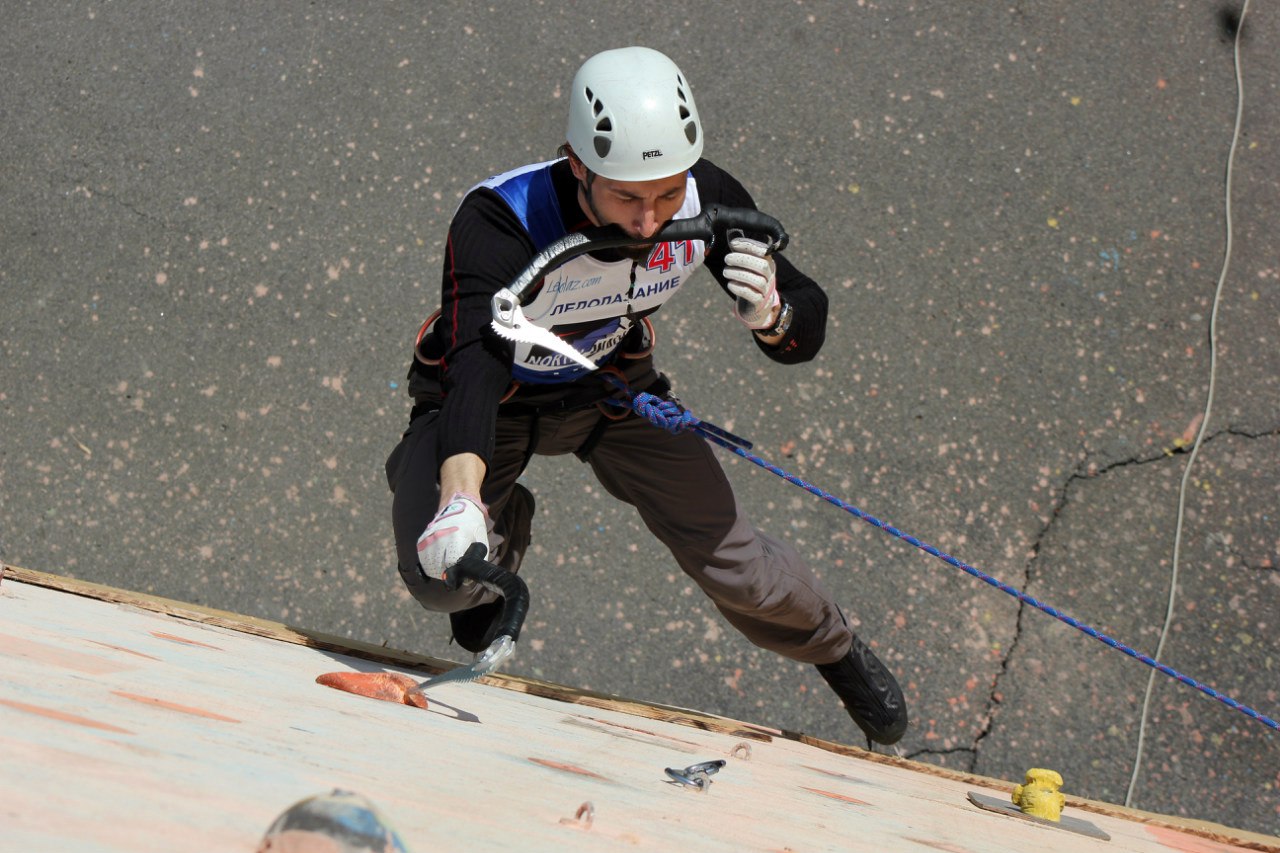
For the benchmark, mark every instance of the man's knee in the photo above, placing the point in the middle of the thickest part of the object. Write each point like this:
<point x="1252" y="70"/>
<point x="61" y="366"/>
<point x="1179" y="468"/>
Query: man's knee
<point x="514" y="524"/>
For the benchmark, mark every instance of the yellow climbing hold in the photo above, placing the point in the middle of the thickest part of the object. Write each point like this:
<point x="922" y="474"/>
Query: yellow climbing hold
<point x="1039" y="795"/>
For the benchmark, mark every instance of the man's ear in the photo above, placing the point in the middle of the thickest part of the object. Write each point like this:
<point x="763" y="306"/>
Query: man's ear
<point x="578" y="168"/>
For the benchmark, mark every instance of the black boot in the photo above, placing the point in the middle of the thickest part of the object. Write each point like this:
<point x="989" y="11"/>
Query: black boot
<point x="869" y="692"/>
<point x="476" y="627"/>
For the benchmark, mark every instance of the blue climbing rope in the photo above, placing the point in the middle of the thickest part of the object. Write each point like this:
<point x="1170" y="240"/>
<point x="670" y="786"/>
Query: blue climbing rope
<point x="674" y="418"/>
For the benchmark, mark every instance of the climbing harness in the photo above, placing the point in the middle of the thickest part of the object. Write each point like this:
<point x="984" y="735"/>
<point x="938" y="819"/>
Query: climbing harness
<point x="672" y="417"/>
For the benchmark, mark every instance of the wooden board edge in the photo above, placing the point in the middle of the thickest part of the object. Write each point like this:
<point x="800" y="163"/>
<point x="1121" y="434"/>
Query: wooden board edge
<point x="570" y="695"/>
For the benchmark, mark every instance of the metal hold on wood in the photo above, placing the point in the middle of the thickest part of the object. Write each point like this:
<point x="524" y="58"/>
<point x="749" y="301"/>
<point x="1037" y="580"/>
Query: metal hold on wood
<point x="583" y="818"/>
<point x="697" y="776"/>
<point x="1071" y="824"/>
<point x="698" y="783"/>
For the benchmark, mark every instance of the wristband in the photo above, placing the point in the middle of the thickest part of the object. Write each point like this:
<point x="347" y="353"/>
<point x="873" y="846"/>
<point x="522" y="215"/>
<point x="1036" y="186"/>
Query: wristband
<point x="780" y="327"/>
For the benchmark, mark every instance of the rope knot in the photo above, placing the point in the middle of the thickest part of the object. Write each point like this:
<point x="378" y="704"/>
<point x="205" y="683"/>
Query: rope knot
<point x="667" y="414"/>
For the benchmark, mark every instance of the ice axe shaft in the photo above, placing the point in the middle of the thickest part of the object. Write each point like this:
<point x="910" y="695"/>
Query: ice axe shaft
<point x="713" y="223"/>
<point x="515" y="606"/>
<point x="707" y="226"/>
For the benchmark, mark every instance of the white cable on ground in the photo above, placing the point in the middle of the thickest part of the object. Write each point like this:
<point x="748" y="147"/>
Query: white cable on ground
<point x="1208" y="410"/>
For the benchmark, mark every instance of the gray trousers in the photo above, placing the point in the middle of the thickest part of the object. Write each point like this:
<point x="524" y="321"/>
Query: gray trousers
<point x="759" y="583"/>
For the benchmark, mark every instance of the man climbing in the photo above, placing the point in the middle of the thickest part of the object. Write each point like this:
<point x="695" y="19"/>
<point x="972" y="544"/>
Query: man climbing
<point x="484" y="406"/>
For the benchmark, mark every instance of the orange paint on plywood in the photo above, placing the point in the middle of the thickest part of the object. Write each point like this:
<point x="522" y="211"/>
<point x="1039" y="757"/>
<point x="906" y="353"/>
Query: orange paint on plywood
<point x="834" y="796"/>
<point x="173" y="706"/>
<point x="567" y="768"/>
<point x="831" y="773"/>
<point x="43" y="653"/>
<point x="173" y="637"/>
<point x="1185" y="843"/>
<point x="63" y="716"/>
<point x="946" y="846"/>
<point x="123" y="649"/>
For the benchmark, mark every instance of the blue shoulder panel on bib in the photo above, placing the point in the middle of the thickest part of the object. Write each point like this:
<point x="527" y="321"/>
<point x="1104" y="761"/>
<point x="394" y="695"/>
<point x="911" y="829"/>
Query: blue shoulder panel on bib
<point x="532" y="198"/>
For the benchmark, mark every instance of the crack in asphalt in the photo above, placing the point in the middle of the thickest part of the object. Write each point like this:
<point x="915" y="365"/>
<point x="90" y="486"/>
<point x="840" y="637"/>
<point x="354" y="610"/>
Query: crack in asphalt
<point x="76" y="174"/>
<point x="119" y="201"/>
<point x="1084" y="471"/>
<point x="1221" y="541"/>
<point x="958" y="750"/>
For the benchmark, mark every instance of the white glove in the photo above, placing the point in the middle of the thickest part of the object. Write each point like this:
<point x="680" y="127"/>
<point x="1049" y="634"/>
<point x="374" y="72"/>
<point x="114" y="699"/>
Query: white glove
<point x="463" y="522"/>
<point x="753" y="278"/>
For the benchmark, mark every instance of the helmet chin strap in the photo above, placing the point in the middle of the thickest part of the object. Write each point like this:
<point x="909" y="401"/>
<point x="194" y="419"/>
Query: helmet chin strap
<point x="584" y="184"/>
<point x="584" y="188"/>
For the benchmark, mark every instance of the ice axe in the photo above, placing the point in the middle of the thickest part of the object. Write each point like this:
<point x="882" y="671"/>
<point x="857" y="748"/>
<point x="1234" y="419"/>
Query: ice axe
<point x="515" y="606"/>
<point x="509" y="321"/>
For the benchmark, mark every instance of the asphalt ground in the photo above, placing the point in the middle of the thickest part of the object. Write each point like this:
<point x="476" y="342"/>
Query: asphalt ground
<point x="222" y="225"/>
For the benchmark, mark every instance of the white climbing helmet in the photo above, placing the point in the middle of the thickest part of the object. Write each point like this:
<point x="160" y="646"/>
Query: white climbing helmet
<point x="632" y="116"/>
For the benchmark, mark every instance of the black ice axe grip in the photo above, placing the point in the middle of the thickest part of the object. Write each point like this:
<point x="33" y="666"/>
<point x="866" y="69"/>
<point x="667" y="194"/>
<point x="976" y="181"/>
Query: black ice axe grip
<point x="473" y="566"/>
<point x="712" y="224"/>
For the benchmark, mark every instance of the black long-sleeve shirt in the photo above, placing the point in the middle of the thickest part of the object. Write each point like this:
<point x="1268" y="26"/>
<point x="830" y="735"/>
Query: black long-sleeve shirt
<point x="488" y="247"/>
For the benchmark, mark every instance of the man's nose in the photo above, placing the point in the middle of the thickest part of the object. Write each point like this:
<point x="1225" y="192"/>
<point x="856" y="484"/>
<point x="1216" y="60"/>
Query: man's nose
<point x="647" y="224"/>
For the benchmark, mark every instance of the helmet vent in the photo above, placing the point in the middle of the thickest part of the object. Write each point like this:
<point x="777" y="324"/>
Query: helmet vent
<point x="603" y="145"/>
<point x="690" y="126"/>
